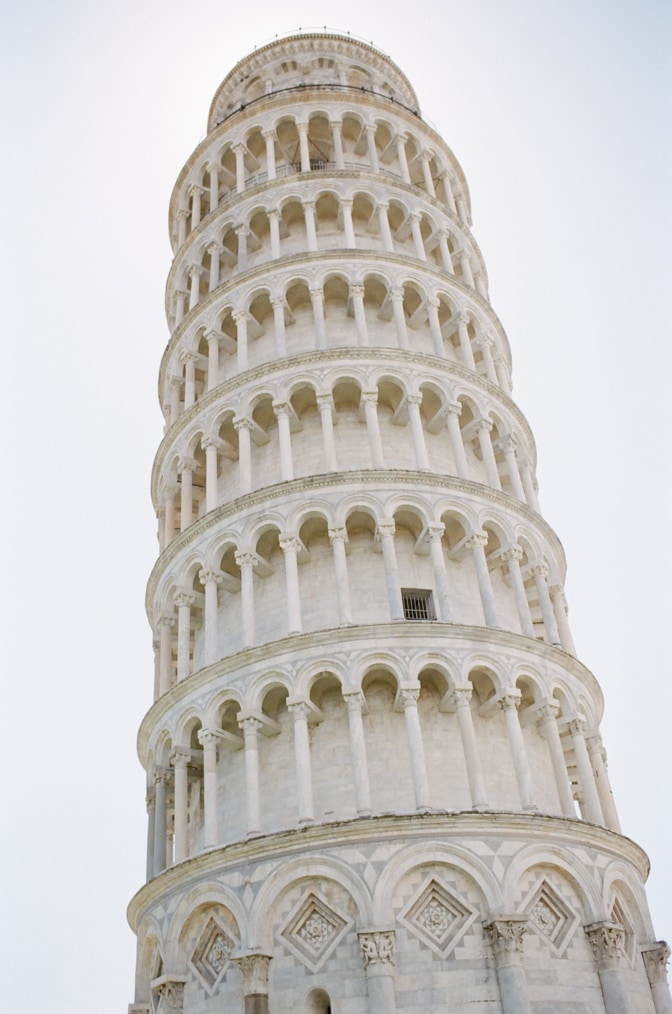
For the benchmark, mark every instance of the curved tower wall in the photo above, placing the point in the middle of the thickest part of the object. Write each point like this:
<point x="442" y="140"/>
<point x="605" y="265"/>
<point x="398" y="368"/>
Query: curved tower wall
<point x="375" y="775"/>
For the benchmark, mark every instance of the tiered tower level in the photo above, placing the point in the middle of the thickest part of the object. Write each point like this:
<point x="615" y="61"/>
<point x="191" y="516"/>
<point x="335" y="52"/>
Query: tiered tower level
<point x="375" y="776"/>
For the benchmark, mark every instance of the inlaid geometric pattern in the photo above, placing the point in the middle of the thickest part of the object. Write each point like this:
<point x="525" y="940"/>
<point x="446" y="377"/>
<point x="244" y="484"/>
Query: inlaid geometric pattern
<point x="438" y="917"/>
<point x="313" y="929"/>
<point x="211" y="956"/>
<point x="550" y="917"/>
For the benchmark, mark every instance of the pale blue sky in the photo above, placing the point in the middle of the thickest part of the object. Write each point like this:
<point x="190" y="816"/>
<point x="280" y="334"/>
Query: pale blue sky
<point x="559" y="113"/>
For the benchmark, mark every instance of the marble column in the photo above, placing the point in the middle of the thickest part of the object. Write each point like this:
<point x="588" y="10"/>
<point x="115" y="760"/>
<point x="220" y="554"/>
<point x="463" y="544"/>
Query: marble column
<point x="213" y="339"/>
<point x="184" y="601"/>
<point x="453" y="412"/>
<point x="508" y="445"/>
<point x="357" y="296"/>
<point x="213" y="250"/>
<point x="585" y="771"/>
<point x="360" y="766"/>
<point x="337" y="138"/>
<point x="559" y="603"/>
<point x="418" y="244"/>
<point x="597" y="755"/>
<point x="151" y="821"/>
<point x="462" y="323"/>
<point x="425" y="158"/>
<point x="433" y="306"/>
<point x="485" y="344"/>
<point x="477" y="543"/>
<point x="348" y="227"/>
<point x="180" y="761"/>
<point x="290" y="546"/>
<point x="269" y="138"/>
<point x="210" y="578"/>
<point x="539" y="572"/>
<point x="247" y="562"/>
<point x="338" y="538"/>
<point x="161" y="779"/>
<point x="397" y="300"/>
<point x="416" y="750"/>
<point x="281" y="410"/>
<point x="303" y="147"/>
<point x="656" y="957"/>
<point x="213" y="172"/>
<point x="509" y="704"/>
<point x="483" y="428"/>
<point x="444" y="250"/>
<point x="317" y="300"/>
<point x="208" y="740"/>
<point x="385" y="534"/>
<point x="243" y="428"/>
<point x="548" y="727"/>
<point x="211" y="446"/>
<point x="278" y="304"/>
<point x="607" y="940"/>
<point x="413" y="402"/>
<point x="505" y="934"/>
<point x="372" y="152"/>
<point x="254" y="970"/>
<point x="274" y="227"/>
<point x="250" y="727"/>
<point x="384" y="227"/>
<point x="194" y="272"/>
<point x="325" y="404"/>
<point x="434" y="538"/>
<point x="239" y="152"/>
<point x="304" y="780"/>
<point x="166" y="624"/>
<point x="195" y="192"/>
<point x="311" y="231"/>
<point x="185" y="467"/>
<point x="400" y="143"/>
<point x="512" y="557"/>
<point x="241" y="318"/>
<point x="370" y="400"/>
<point x="461" y="701"/>
<point x="377" y="952"/>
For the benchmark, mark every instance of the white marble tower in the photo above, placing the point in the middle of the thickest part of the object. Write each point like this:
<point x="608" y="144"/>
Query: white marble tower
<point x="375" y="776"/>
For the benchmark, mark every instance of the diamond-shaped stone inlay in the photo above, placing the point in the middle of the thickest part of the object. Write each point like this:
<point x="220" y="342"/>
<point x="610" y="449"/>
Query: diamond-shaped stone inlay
<point x="438" y="917"/>
<point x="211" y="956"/>
<point x="550" y="917"/>
<point x="313" y="929"/>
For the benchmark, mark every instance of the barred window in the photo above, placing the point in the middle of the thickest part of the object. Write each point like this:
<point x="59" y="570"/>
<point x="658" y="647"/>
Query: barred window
<point x="418" y="604"/>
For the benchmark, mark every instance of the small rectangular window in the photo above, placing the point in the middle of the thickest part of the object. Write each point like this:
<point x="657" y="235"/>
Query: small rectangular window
<point x="418" y="604"/>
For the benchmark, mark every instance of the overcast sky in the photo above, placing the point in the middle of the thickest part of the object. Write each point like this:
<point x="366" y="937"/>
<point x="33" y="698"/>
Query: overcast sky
<point x="559" y="112"/>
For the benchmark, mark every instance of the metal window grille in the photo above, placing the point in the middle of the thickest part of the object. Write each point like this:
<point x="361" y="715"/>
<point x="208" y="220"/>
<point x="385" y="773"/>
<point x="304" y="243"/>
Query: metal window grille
<point x="417" y="604"/>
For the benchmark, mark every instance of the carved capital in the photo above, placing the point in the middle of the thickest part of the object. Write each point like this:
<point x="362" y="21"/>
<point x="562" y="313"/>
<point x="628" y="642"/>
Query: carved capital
<point x="656" y="957"/>
<point x="485" y="341"/>
<point x="453" y="408"/>
<point x="539" y="570"/>
<point x="397" y="295"/>
<point x="290" y="544"/>
<point x="249" y="725"/>
<point x="179" y="759"/>
<point x="477" y="539"/>
<point x="208" y="739"/>
<point x="338" y="535"/>
<point x="377" y="948"/>
<point x="461" y="319"/>
<point x="548" y="712"/>
<point x="185" y="465"/>
<point x="577" y="726"/>
<point x="195" y="270"/>
<point x="354" y="700"/>
<point x="462" y="696"/>
<point x="510" y="702"/>
<point x="240" y="316"/>
<point x="167" y="621"/>
<point x="414" y="399"/>
<point x="299" y="710"/>
<point x="484" y="424"/>
<point x="435" y="530"/>
<point x="357" y="290"/>
<point x="254" y="969"/>
<point x="246" y="560"/>
<point x="370" y="397"/>
<point x="409" y="697"/>
<point x="506" y="938"/>
<point x="170" y="988"/>
<point x="210" y="576"/>
<point x="325" y="402"/>
<point x="278" y="302"/>
<point x="433" y="303"/>
<point x="242" y="423"/>
<point x="606" y="940"/>
<point x="512" y="553"/>
<point x="317" y="295"/>
<point x="241" y="230"/>
<point x="182" y="598"/>
<point x="280" y="408"/>
<point x="213" y="248"/>
<point x="161" y="777"/>
<point x="385" y="530"/>
<point x="508" y="442"/>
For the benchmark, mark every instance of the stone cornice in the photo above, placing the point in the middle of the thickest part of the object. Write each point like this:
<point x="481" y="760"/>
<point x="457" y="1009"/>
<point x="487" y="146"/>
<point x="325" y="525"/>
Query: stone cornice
<point x="391" y="634"/>
<point x="532" y="828"/>
<point x="373" y="478"/>
<point x="316" y="359"/>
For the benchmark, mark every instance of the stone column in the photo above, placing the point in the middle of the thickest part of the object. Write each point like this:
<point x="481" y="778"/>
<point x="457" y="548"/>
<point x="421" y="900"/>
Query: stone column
<point x="184" y="601"/>
<point x="195" y="192"/>
<point x="413" y="402"/>
<point x="348" y="227"/>
<point x="160" y="786"/>
<point x="384" y="226"/>
<point x="213" y="172"/>
<point x="385" y="533"/>
<point x="467" y="276"/>
<point x="540" y="573"/>
<point x="290" y="547"/>
<point x="606" y="940"/>
<point x="371" y="147"/>
<point x="242" y="427"/>
<point x="597" y="755"/>
<point x="528" y="485"/>
<point x="241" y="318"/>
<point x="269" y="138"/>
<point x="254" y="970"/>
<point x="461" y="698"/>
<point x="416" y="750"/>
<point x="189" y="360"/>
<point x="326" y="406"/>
<point x="377" y="951"/>
<point x="453" y="412"/>
<point x="317" y="299"/>
<point x="208" y="740"/>
<point x="247" y="562"/>
<point x="585" y="771"/>
<point x="448" y="182"/>
<point x="418" y="243"/>
<point x="151" y="821"/>
<point x="169" y="515"/>
<point x="213" y="340"/>
<point x="210" y="445"/>
<point x="239" y="152"/>
<point x="175" y="399"/>
<point x="462" y="212"/>
<point x="400" y="142"/>
<point x="357" y="296"/>
<point x="501" y="366"/>
<point x="180" y="304"/>
<point x="180" y="760"/>
<point x="166" y="624"/>
<point x="281" y="410"/>
<point x="304" y="779"/>
<point x="274" y="226"/>
<point x="425" y="158"/>
<point x="210" y="578"/>
<point x="505" y="934"/>
<point x="485" y="344"/>
<point x="444" y="250"/>
<point x="250" y="727"/>
<point x="483" y="427"/>
<point x="242" y="232"/>
<point x="656" y="957"/>
<point x="303" y="147"/>
<point x="194" y="272"/>
<point x="435" y="327"/>
<point x="337" y="138"/>
<point x="278" y="304"/>
<point x="508" y="446"/>
<point x="397" y="299"/>
<point x="509" y="704"/>
<point x="338" y="538"/>
<point x="477" y="543"/>
<point x="182" y="217"/>
<point x="213" y="250"/>
<point x="370" y="399"/>
<point x="360" y="766"/>
<point x="559" y="603"/>
<point x="548" y="728"/>
<point x="465" y="341"/>
<point x="433" y="537"/>
<point x="512" y="557"/>
<point x="311" y="232"/>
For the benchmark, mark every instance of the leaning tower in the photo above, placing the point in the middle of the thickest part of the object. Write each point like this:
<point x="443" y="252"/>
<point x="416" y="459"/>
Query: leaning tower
<point x="375" y="776"/>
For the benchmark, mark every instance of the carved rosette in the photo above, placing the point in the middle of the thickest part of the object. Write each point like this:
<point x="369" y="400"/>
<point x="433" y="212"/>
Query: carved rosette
<point x="377" y="949"/>
<point x="506" y="938"/>
<point x="607" y="940"/>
